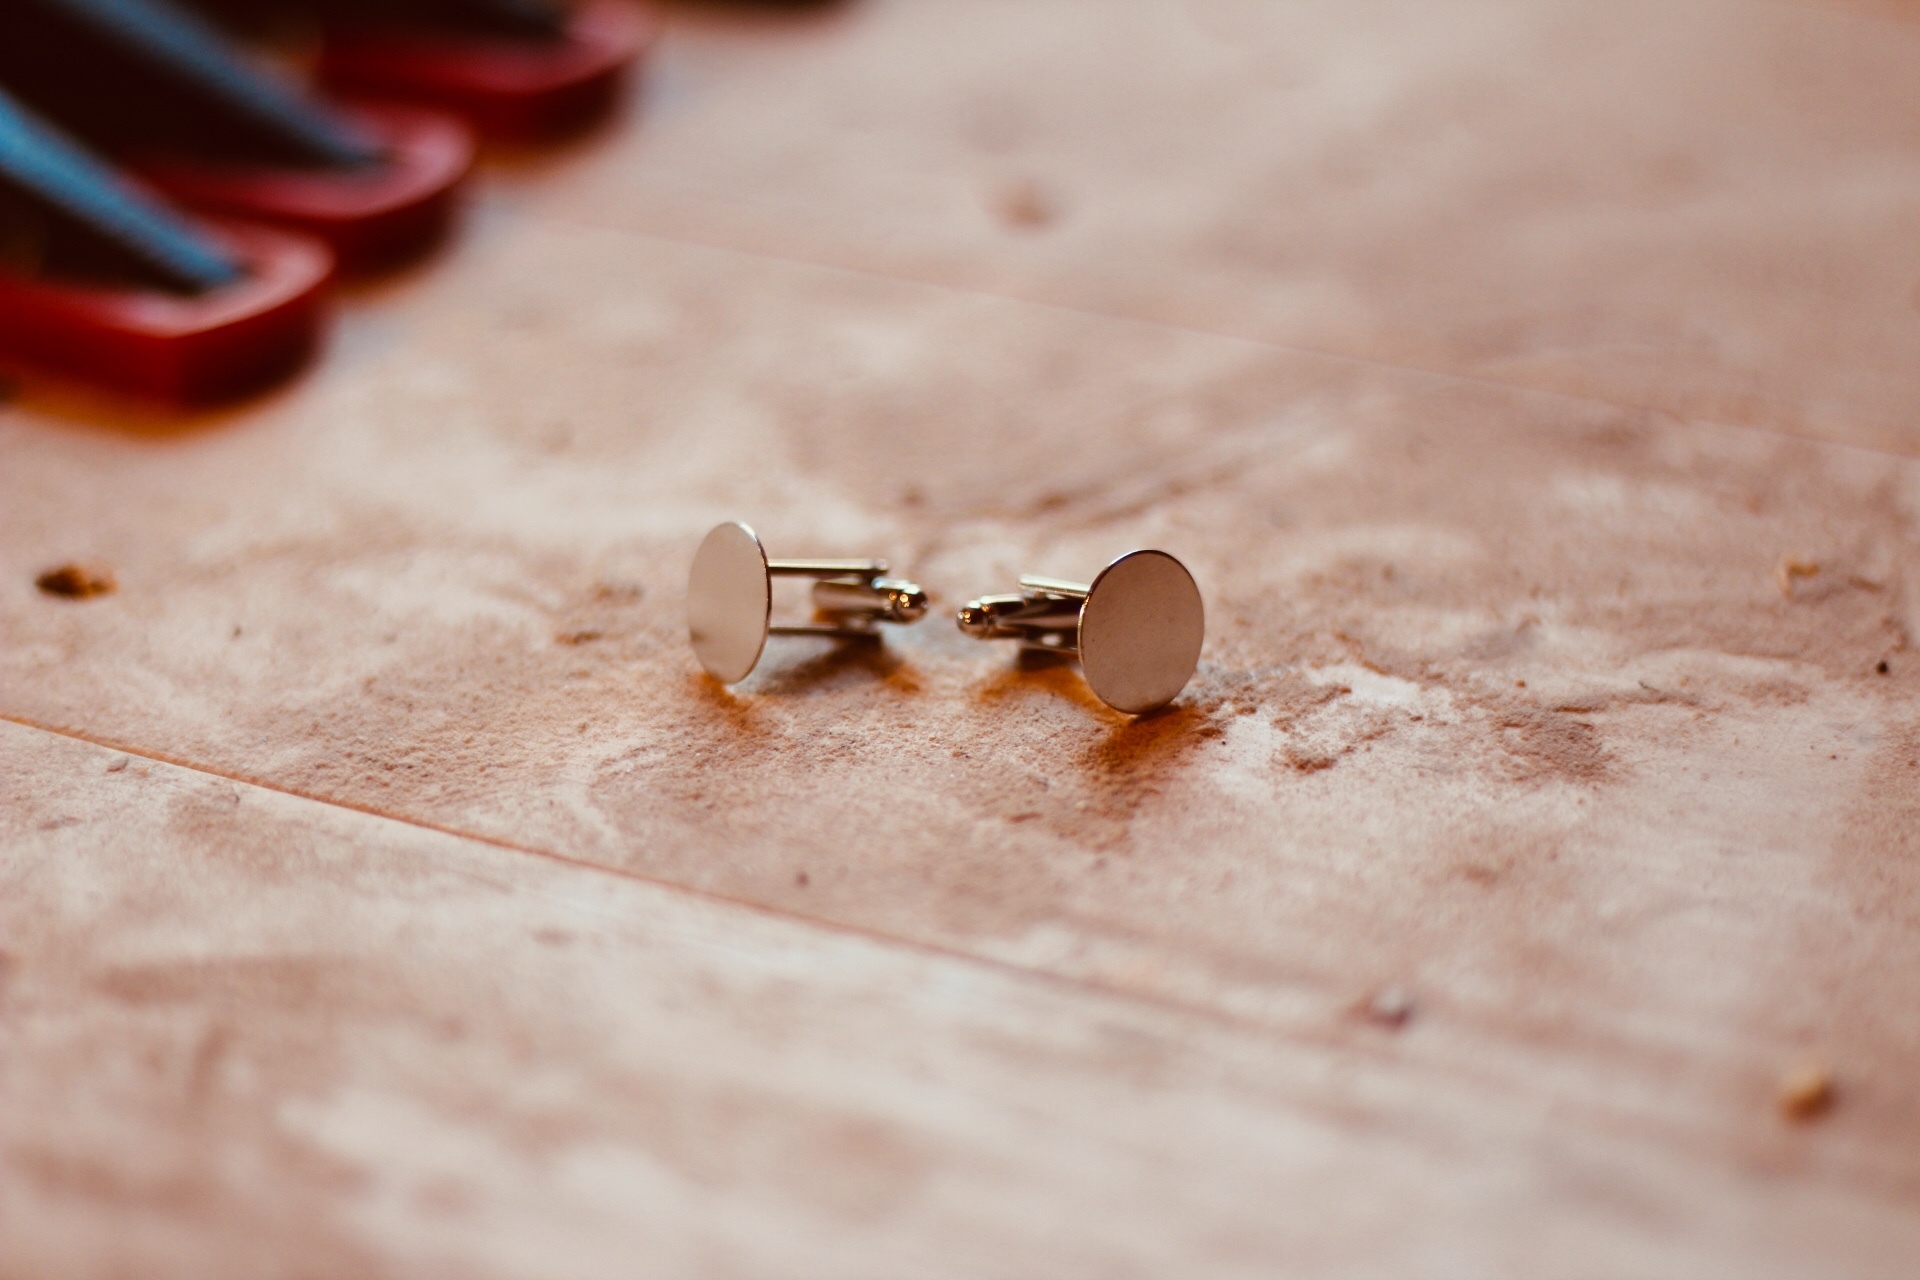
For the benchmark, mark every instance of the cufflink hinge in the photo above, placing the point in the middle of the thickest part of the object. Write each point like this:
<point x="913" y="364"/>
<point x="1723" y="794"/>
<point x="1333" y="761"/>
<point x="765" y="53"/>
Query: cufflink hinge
<point x="1043" y="614"/>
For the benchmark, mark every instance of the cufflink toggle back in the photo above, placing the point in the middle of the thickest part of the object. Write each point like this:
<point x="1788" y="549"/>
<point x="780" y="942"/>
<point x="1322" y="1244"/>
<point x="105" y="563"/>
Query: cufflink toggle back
<point x="730" y="600"/>
<point x="1137" y="628"/>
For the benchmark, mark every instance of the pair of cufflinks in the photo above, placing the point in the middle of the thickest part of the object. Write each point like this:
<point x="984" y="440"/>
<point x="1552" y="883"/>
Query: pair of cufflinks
<point x="1137" y="628"/>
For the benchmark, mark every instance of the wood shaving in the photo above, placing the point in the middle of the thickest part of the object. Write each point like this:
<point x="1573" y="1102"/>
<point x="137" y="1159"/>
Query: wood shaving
<point x="1025" y="203"/>
<point x="77" y="581"/>
<point x="1790" y="570"/>
<point x="1390" y="1006"/>
<point x="1806" y="1092"/>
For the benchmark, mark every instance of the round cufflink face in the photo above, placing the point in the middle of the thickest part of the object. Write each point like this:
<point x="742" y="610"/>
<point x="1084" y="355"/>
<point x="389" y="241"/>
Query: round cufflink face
<point x="729" y="602"/>
<point x="1140" y="632"/>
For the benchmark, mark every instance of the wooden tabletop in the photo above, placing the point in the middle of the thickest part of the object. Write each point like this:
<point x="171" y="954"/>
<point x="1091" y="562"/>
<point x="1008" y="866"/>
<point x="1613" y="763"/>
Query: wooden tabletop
<point x="1527" y="884"/>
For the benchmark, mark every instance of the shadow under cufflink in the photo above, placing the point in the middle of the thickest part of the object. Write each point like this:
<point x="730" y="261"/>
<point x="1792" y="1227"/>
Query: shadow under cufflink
<point x="864" y="658"/>
<point x="1043" y="672"/>
<point x="1034" y="658"/>
<point x="1144" y="744"/>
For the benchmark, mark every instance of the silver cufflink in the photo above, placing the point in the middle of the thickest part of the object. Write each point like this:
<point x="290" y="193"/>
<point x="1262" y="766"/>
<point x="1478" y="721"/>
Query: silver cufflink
<point x="1137" y="628"/>
<point x="730" y="600"/>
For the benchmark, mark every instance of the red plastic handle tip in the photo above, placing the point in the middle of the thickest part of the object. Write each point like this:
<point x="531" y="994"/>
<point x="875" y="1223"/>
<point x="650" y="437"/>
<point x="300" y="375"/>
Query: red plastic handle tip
<point x="188" y="350"/>
<point x="371" y="218"/>
<point x="515" y="89"/>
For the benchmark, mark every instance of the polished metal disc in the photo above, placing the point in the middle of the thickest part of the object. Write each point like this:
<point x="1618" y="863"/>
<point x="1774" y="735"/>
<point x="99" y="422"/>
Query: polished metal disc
<point x="729" y="602"/>
<point x="1140" y="631"/>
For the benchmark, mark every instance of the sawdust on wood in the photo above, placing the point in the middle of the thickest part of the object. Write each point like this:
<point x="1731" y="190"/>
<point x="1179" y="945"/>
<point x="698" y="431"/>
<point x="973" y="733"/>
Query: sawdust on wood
<point x="1790" y="571"/>
<point x="77" y="581"/>
<point x="1391" y="1006"/>
<point x="1807" y="1091"/>
<point x="1026" y="204"/>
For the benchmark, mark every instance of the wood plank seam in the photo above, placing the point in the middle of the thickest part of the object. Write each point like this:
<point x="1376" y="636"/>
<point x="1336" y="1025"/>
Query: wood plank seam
<point x="1218" y="1017"/>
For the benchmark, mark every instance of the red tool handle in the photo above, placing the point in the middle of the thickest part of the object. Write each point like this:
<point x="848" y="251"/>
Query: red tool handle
<point x="188" y="349"/>
<point x="372" y="216"/>
<point x="507" y="88"/>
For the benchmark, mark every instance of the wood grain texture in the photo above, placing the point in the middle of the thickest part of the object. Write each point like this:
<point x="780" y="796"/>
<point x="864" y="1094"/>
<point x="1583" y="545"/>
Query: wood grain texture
<point x="1589" y="722"/>
<point x="253" y="1035"/>
<point x="1705" y="208"/>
